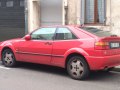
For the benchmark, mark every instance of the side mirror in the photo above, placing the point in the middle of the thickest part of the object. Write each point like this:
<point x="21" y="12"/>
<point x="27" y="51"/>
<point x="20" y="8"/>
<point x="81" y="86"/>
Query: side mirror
<point x="27" y="37"/>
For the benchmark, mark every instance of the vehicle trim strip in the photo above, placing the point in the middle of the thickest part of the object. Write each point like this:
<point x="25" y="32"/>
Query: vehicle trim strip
<point x="60" y="56"/>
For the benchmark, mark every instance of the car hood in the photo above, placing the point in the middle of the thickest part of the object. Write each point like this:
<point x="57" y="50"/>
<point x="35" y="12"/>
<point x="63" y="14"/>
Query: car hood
<point x="11" y="41"/>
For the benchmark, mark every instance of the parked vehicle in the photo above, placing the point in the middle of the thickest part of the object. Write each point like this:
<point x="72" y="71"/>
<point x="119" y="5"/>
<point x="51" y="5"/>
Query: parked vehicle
<point x="77" y="49"/>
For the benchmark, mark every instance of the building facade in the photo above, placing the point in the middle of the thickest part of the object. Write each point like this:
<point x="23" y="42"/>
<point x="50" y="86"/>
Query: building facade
<point x="100" y="13"/>
<point x="18" y="17"/>
<point x="45" y="12"/>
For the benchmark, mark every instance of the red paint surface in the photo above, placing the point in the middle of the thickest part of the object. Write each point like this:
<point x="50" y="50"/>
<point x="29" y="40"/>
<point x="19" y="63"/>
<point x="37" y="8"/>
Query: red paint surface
<point x="38" y="51"/>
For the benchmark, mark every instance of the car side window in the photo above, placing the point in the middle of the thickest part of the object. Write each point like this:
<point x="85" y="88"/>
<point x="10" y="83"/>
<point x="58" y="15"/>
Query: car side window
<point x="64" y="34"/>
<point x="43" y="34"/>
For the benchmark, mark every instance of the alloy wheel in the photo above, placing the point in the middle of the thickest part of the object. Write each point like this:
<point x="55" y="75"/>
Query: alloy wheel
<point x="8" y="58"/>
<point x="76" y="68"/>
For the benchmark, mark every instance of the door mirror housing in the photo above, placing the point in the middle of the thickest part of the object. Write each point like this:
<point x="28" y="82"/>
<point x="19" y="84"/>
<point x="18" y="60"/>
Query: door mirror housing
<point x="27" y="37"/>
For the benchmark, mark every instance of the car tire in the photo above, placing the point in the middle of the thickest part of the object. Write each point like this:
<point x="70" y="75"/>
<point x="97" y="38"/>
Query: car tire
<point x="8" y="58"/>
<point x="77" y="68"/>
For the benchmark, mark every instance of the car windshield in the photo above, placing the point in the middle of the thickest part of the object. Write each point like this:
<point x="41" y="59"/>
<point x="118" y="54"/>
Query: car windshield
<point x="97" y="32"/>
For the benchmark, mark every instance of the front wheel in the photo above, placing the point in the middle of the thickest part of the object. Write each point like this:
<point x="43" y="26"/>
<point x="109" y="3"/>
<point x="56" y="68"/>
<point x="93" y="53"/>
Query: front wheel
<point x="8" y="58"/>
<point x="77" y="68"/>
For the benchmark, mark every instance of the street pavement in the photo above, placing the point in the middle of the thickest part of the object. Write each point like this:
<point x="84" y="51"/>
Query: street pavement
<point x="28" y="76"/>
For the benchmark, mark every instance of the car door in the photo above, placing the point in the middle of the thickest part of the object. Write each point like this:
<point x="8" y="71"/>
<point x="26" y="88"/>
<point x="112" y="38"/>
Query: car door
<point x="39" y="48"/>
<point x="64" y="40"/>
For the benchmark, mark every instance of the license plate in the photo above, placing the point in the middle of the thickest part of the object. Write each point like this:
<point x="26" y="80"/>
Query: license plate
<point x="114" y="45"/>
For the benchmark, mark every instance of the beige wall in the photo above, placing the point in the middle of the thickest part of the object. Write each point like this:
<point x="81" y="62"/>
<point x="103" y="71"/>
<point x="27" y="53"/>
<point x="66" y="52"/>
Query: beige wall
<point x="33" y="15"/>
<point x="72" y="12"/>
<point x="108" y="12"/>
<point x="115" y="16"/>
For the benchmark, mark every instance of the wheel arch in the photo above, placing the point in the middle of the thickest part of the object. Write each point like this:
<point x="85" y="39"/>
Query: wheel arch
<point x="6" y="47"/>
<point x="75" y="54"/>
<point x="12" y="61"/>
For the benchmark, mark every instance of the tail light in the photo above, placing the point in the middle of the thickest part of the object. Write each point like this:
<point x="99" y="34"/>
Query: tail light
<point x="101" y="45"/>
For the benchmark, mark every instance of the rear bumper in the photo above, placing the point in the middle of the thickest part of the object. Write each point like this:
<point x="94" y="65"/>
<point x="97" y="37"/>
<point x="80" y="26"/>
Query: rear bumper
<point x="99" y="63"/>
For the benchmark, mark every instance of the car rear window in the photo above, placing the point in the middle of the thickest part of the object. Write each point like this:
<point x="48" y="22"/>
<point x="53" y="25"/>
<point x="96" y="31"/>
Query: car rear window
<point x="97" y="32"/>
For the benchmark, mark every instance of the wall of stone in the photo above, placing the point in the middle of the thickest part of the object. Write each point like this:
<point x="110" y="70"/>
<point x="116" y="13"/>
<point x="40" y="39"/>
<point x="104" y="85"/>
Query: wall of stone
<point x="72" y="12"/>
<point x="115" y="16"/>
<point x="33" y="15"/>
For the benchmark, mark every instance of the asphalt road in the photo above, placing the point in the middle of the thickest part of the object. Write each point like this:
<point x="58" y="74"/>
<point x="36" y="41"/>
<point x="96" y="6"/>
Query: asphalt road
<point x="39" y="77"/>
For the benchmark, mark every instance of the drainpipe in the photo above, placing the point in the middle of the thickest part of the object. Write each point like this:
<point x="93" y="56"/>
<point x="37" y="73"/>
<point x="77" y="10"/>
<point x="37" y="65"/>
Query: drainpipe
<point x="26" y="16"/>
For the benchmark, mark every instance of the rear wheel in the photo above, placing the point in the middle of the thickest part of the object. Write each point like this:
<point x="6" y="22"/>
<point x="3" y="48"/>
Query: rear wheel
<point x="77" y="68"/>
<point x="8" y="58"/>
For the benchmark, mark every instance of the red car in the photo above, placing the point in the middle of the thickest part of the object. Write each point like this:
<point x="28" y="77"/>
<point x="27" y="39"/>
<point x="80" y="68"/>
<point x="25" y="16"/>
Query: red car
<point x="77" y="49"/>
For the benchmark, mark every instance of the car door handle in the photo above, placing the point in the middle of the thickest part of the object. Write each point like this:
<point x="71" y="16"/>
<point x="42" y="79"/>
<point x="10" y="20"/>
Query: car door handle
<point x="48" y="43"/>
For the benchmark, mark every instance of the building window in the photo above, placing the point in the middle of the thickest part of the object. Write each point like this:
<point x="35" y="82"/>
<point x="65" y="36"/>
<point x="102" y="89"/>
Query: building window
<point x="21" y="3"/>
<point x="9" y="4"/>
<point x="95" y="11"/>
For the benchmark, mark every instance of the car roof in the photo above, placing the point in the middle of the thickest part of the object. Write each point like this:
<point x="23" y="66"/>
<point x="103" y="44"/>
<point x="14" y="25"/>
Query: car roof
<point x="61" y="26"/>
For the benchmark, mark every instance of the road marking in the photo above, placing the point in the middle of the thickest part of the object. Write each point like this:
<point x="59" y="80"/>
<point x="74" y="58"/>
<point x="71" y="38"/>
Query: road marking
<point x="2" y="67"/>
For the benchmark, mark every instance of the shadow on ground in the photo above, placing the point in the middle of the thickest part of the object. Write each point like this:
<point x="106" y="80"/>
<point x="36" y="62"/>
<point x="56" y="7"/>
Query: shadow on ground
<point x="102" y="76"/>
<point x="97" y="75"/>
<point x="42" y="68"/>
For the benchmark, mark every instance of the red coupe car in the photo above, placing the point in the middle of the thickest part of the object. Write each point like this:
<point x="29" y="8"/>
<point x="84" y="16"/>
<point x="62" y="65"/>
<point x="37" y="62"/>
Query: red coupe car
<point x="77" y="49"/>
